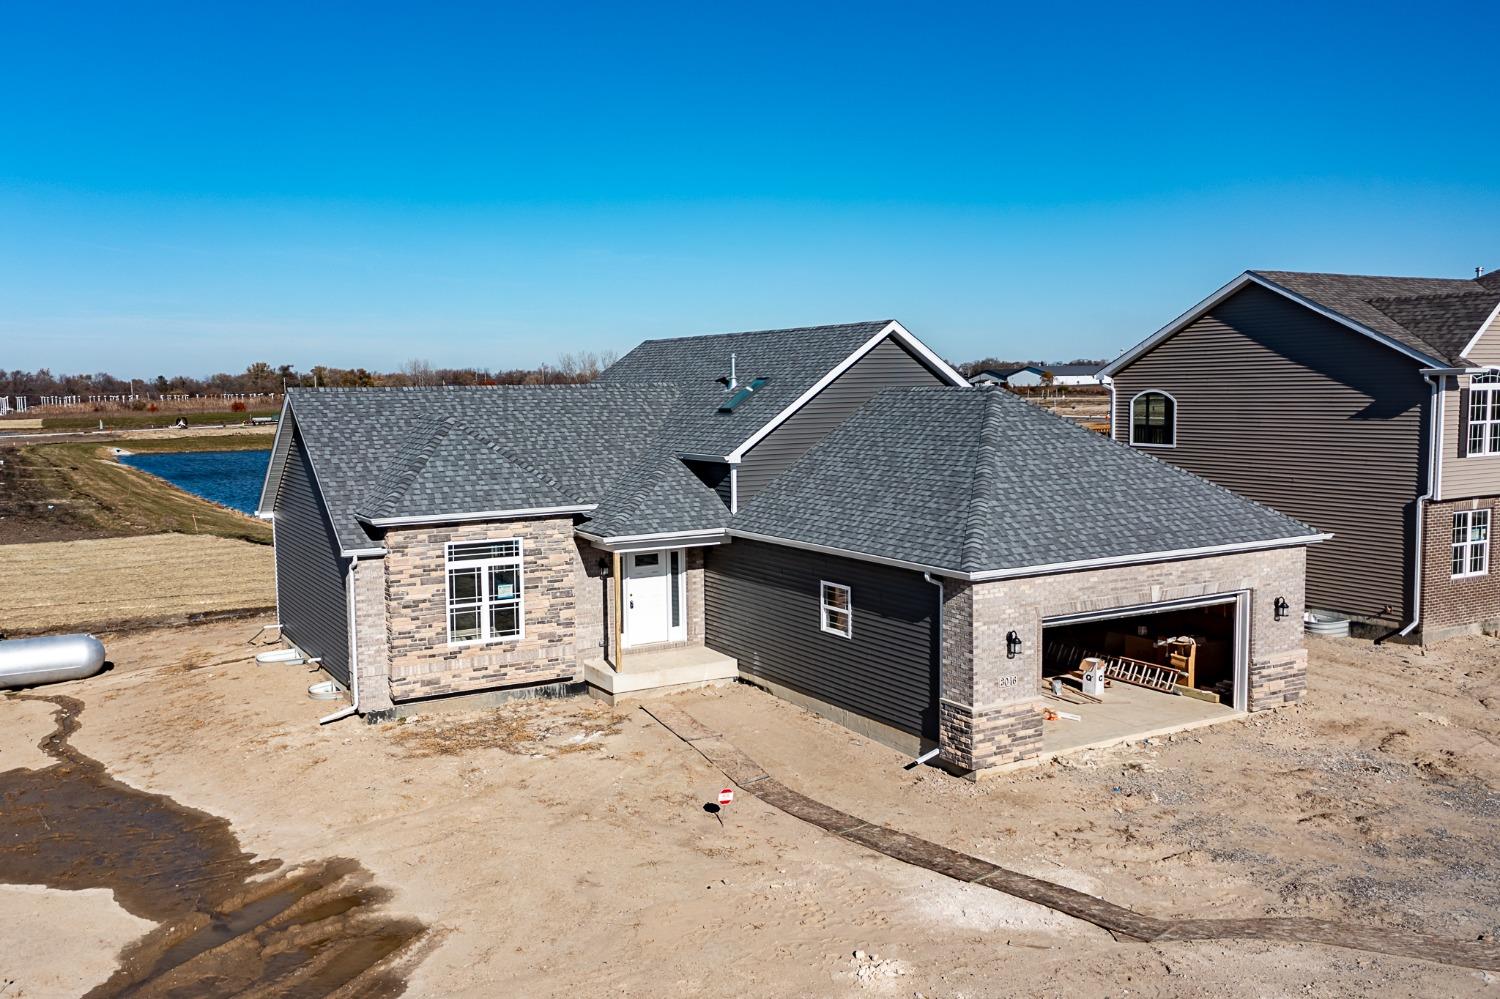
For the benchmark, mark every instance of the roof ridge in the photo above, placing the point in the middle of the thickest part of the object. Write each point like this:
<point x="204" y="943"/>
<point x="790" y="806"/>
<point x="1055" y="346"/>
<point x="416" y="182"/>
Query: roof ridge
<point x="785" y="329"/>
<point x="986" y="475"/>
<point x="514" y="458"/>
<point x="404" y="476"/>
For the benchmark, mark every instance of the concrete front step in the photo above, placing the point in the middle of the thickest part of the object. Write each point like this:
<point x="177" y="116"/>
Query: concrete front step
<point x="704" y="669"/>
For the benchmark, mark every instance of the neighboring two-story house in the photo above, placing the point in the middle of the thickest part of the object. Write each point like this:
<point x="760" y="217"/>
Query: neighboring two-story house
<point x="830" y="513"/>
<point x="1368" y="407"/>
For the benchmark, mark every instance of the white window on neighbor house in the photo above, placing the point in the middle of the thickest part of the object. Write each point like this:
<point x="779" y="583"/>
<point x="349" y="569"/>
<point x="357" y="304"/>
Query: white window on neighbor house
<point x="1471" y="543"/>
<point x="1153" y="420"/>
<point x="485" y="593"/>
<point x="1484" y="414"/>
<point x="837" y="613"/>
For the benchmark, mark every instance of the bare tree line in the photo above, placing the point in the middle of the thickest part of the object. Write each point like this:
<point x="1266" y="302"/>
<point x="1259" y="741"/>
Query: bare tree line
<point x="571" y="368"/>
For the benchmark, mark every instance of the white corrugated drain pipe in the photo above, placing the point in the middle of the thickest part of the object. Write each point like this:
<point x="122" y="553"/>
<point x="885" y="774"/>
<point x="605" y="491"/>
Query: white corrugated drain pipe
<point x="1434" y="445"/>
<point x="353" y="654"/>
<point x="933" y="752"/>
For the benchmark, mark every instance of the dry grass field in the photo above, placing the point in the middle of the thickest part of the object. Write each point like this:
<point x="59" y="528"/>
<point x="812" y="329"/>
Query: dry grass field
<point x="110" y="582"/>
<point x="67" y="491"/>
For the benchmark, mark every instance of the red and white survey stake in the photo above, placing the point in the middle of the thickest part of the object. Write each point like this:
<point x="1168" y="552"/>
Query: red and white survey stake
<point x="726" y="796"/>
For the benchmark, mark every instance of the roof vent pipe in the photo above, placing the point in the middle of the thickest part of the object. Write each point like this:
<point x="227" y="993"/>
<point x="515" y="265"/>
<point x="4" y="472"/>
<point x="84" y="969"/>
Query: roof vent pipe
<point x="1478" y="273"/>
<point x="734" y="382"/>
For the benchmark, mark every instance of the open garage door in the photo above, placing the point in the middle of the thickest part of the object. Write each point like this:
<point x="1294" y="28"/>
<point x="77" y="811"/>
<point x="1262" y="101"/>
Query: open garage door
<point x="1170" y="665"/>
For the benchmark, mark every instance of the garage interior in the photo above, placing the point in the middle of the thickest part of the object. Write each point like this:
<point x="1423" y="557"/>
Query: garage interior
<point x="1163" y="668"/>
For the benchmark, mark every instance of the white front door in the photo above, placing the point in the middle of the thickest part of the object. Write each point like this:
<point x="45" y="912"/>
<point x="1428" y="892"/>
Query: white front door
<point x="648" y="598"/>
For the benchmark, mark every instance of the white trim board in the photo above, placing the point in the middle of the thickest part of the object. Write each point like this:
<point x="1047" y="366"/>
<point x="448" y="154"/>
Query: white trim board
<point x="453" y="518"/>
<point x="1247" y="278"/>
<point x="1492" y="322"/>
<point x="891" y="329"/>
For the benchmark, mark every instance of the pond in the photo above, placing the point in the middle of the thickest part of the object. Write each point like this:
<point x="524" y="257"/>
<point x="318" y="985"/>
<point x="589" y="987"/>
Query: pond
<point x="230" y="478"/>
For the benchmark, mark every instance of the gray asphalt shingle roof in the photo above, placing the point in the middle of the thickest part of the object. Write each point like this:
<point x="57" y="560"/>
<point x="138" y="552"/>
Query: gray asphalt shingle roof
<point x="1434" y="316"/>
<point x="792" y="359"/>
<point x="428" y="451"/>
<point x="978" y="480"/>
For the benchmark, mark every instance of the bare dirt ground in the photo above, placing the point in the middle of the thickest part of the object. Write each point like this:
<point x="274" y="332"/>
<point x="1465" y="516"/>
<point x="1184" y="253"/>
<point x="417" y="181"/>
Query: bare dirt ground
<point x="97" y="584"/>
<point x="562" y="848"/>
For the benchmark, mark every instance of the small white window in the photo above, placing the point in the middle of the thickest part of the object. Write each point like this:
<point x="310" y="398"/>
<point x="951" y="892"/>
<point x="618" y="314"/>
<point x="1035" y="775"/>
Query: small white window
<point x="1153" y="420"/>
<point x="837" y="612"/>
<point x="485" y="591"/>
<point x="1484" y="414"/>
<point x="1471" y="543"/>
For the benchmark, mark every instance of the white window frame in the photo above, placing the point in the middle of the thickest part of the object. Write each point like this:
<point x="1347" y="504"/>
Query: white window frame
<point x="1465" y="550"/>
<point x="1130" y="415"/>
<point x="825" y="609"/>
<point x="1484" y="395"/>
<point x="486" y="600"/>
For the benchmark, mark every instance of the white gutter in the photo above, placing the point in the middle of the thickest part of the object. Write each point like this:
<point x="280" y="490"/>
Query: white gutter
<point x="676" y="538"/>
<point x="353" y="653"/>
<point x="1434" y="453"/>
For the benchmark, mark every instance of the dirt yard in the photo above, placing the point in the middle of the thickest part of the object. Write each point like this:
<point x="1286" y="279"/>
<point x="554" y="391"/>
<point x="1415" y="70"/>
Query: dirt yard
<point x="562" y="848"/>
<point x="161" y="577"/>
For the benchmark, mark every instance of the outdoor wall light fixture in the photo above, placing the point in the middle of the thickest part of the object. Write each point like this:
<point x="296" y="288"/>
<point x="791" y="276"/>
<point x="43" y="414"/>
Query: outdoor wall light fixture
<point x="1012" y="645"/>
<point x="1282" y="608"/>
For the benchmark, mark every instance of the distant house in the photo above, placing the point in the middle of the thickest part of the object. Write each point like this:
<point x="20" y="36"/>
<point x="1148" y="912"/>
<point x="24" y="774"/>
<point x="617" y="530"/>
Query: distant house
<point x="1366" y="406"/>
<point x="1021" y="376"/>
<point x="1030" y="375"/>
<point x="1075" y="374"/>
<point x="830" y="513"/>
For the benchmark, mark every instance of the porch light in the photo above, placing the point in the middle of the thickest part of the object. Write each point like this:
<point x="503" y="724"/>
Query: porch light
<point x="1012" y="645"/>
<point x="1282" y="608"/>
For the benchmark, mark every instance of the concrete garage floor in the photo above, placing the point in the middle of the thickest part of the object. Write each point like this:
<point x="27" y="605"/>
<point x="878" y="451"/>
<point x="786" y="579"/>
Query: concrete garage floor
<point x="1126" y="713"/>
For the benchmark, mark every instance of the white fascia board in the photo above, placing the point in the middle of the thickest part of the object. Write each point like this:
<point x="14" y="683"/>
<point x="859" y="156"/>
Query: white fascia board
<point x="1493" y="322"/>
<point x="892" y="328"/>
<point x="717" y="459"/>
<point x="1040" y="570"/>
<point x="927" y="354"/>
<point x="268" y="515"/>
<point x="1196" y="312"/>
<point x="666" y="539"/>
<point x="363" y="552"/>
<point x="456" y="518"/>
<point x="267" y="499"/>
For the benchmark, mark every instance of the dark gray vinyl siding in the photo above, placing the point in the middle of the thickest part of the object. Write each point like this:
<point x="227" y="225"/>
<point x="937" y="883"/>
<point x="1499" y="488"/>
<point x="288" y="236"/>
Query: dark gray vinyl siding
<point x="714" y="475"/>
<point x="887" y="365"/>
<point x="1306" y="416"/>
<point x="309" y="569"/>
<point x="761" y="606"/>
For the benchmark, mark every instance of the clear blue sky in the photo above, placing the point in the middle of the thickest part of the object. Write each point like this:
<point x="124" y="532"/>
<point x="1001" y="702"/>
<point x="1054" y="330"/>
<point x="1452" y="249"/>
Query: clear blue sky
<point x="189" y="188"/>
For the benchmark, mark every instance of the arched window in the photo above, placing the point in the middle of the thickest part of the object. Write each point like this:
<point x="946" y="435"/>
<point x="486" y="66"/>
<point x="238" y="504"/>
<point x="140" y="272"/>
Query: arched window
<point x="1153" y="420"/>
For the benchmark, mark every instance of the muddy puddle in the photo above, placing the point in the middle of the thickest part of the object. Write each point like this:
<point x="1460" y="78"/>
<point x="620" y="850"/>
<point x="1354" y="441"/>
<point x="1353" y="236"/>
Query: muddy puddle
<point x="229" y="924"/>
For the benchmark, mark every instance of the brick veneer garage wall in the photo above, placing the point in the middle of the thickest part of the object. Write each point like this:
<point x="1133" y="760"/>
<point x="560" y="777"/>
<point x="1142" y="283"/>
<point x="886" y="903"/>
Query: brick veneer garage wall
<point x="1456" y="606"/>
<point x="988" y="710"/>
<point x="423" y="664"/>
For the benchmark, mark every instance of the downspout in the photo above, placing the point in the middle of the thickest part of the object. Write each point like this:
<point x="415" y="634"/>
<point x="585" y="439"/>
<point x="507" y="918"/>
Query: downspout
<point x="1434" y="451"/>
<point x="933" y="752"/>
<point x="353" y="653"/>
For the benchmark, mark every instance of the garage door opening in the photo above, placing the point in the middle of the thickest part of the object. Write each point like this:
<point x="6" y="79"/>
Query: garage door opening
<point x="1166" y="667"/>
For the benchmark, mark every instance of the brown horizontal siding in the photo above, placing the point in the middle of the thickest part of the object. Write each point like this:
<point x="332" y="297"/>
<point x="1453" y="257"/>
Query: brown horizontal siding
<point x="1463" y="476"/>
<point x="1302" y="414"/>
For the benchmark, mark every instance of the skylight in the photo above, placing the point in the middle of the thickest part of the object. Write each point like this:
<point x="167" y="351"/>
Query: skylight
<point x="745" y="392"/>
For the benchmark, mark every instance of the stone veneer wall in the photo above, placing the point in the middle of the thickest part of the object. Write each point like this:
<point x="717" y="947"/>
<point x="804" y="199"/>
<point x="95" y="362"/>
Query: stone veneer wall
<point x="1456" y="606"/>
<point x="988" y="708"/>
<point x="423" y="664"/>
<point x="371" y="657"/>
